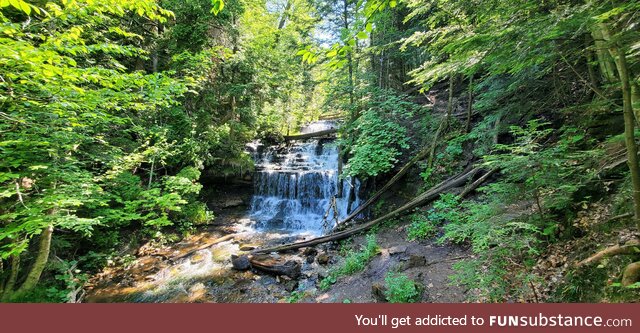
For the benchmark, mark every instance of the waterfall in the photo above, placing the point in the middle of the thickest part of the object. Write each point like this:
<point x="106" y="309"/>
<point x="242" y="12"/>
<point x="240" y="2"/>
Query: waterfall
<point x="296" y="186"/>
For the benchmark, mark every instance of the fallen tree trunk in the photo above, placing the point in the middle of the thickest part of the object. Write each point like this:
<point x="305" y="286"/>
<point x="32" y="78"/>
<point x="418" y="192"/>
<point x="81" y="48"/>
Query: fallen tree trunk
<point x="477" y="183"/>
<point x="273" y="266"/>
<point x="422" y="154"/>
<point x="630" y="247"/>
<point x="310" y="135"/>
<point x="418" y="201"/>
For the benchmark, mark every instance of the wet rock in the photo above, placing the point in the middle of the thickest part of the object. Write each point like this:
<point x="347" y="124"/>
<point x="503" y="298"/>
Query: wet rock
<point x="415" y="260"/>
<point x="323" y="258"/>
<point x="310" y="254"/>
<point x="378" y="292"/>
<point x="197" y="258"/>
<point x="220" y="254"/>
<point x="247" y="247"/>
<point x="397" y="249"/>
<point x="290" y="285"/>
<point x="309" y="251"/>
<point x="232" y="202"/>
<point x="240" y="263"/>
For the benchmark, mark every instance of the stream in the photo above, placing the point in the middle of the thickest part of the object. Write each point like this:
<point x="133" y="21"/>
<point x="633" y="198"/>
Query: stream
<point x="295" y="196"/>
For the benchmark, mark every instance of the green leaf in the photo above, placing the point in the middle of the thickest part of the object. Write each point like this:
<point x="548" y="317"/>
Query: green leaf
<point x="217" y="6"/>
<point x="362" y="35"/>
<point x="393" y="3"/>
<point x="369" y="27"/>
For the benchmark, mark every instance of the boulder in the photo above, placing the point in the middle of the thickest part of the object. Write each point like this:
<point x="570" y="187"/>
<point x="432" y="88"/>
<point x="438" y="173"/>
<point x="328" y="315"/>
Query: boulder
<point x="240" y="263"/>
<point x="323" y="258"/>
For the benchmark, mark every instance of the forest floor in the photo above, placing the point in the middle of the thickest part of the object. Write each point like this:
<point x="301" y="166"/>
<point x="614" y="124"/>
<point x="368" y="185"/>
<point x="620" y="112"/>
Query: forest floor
<point x="191" y="271"/>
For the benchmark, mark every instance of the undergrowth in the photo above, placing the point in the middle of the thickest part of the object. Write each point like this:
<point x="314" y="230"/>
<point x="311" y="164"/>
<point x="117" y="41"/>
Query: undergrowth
<point x="354" y="262"/>
<point x="401" y="289"/>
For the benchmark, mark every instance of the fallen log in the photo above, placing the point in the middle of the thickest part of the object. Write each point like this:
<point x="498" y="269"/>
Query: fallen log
<point x="208" y="244"/>
<point x="274" y="266"/>
<point x="620" y="217"/>
<point x="631" y="247"/>
<point x="422" y="154"/>
<point x="418" y="201"/>
<point x="310" y="135"/>
<point x="477" y="183"/>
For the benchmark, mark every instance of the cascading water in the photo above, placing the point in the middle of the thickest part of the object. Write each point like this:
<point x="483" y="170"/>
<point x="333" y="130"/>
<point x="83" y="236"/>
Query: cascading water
<point x="296" y="188"/>
<point x="296" y="193"/>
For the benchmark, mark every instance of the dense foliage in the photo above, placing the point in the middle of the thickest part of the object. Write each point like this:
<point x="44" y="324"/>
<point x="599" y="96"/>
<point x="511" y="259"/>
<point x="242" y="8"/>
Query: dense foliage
<point x="113" y="113"/>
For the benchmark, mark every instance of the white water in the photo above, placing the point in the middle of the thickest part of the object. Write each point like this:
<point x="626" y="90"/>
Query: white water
<point x="294" y="186"/>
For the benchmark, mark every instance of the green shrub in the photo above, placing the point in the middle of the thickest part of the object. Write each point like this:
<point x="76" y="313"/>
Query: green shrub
<point x="375" y="140"/>
<point x="421" y="228"/>
<point x="354" y="262"/>
<point x="401" y="289"/>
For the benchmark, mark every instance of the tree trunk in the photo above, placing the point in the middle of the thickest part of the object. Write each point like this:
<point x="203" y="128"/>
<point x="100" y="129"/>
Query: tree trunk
<point x="496" y="128"/>
<point x="13" y="277"/>
<point x="593" y="79"/>
<point x="635" y="100"/>
<point x="434" y="144"/>
<point x="629" y="119"/>
<point x="607" y="67"/>
<point x="285" y="15"/>
<point x="345" y="17"/>
<point x="41" y="261"/>
<point x="467" y="125"/>
<point x="450" y="104"/>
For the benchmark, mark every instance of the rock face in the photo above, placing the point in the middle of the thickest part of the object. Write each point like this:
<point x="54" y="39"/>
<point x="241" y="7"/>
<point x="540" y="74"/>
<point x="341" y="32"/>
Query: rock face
<point x="415" y="260"/>
<point x="240" y="263"/>
<point x="232" y="202"/>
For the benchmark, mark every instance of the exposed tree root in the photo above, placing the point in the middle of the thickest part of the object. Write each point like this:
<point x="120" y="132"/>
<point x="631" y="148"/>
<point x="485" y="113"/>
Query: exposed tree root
<point x="422" y="199"/>
<point x="631" y="247"/>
